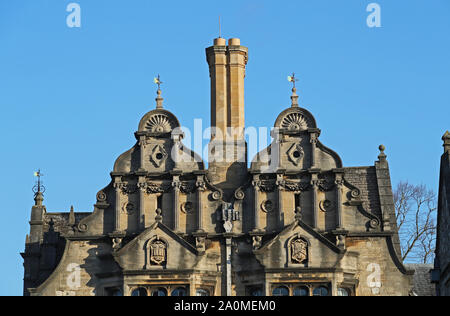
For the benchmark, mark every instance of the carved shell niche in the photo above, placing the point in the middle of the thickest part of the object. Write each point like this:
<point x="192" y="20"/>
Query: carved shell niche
<point x="294" y="122"/>
<point x="159" y="123"/>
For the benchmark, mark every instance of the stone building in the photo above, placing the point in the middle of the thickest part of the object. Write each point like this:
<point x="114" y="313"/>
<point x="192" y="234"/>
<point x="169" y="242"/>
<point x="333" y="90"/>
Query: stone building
<point x="441" y="271"/>
<point x="292" y="221"/>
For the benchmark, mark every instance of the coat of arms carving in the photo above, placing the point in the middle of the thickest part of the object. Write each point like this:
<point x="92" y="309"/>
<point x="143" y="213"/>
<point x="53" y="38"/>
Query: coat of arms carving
<point x="299" y="251"/>
<point x="158" y="252"/>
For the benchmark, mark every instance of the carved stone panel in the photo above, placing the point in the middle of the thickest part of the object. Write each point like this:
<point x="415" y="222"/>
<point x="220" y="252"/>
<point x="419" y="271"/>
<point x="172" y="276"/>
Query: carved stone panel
<point x="158" y="156"/>
<point x="296" y="154"/>
<point x="299" y="251"/>
<point x="158" y="252"/>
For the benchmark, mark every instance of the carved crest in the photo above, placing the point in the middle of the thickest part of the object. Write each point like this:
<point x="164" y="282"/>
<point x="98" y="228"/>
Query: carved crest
<point x="299" y="250"/>
<point x="158" y="252"/>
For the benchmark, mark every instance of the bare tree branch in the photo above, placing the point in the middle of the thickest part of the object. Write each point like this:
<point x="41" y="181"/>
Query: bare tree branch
<point x="415" y="207"/>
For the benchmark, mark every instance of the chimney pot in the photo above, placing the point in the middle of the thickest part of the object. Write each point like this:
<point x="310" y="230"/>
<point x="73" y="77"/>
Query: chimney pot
<point x="220" y="41"/>
<point x="234" y="42"/>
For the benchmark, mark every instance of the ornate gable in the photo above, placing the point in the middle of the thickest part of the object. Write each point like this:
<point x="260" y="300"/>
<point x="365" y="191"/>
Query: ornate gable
<point x="157" y="247"/>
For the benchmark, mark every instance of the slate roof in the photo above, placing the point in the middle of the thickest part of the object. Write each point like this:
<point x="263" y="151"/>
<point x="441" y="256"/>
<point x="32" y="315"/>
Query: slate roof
<point x="422" y="279"/>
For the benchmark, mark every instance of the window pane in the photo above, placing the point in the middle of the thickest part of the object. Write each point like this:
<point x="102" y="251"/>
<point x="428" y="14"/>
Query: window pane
<point x="256" y="292"/>
<point x="139" y="292"/>
<point x="202" y="292"/>
<point x="320" y="291"/>
<point x="181" y="291"/>
<point x="116" y="292"/>
<point x="301" y="291"/>
<point x="343" y="292"/>
<point x="160" y="292"/>
<point x="281" y="291"/>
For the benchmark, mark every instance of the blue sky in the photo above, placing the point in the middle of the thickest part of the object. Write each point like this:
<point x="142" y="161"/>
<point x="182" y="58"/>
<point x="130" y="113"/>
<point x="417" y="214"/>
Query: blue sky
<point x="71" y="98"/>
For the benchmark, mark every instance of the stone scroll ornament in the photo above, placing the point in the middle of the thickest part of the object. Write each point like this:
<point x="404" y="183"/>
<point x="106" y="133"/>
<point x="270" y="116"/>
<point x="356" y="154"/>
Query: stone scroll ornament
<point x="299" y="251"/>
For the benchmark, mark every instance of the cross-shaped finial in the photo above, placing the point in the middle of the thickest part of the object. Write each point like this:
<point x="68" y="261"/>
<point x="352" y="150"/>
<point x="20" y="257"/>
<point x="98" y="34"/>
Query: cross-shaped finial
<point x="158" y="81"/>
<point x="292" y="79"/>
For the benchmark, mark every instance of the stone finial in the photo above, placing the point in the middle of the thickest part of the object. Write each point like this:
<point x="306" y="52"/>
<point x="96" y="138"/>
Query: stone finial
<point x="158" y="217"/>
<point x="446" y="139"/>
<point x="159" y="99"/>
<point x="71" y="217"/>
<point x="382" y="156"/>
<point x="294" y="96"/>
<point x="38" y="198"/>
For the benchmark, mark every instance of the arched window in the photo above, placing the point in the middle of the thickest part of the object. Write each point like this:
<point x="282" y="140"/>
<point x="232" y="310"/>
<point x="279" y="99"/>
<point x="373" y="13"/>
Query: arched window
<point x="320" y="291"/>
<point x="139" y="292"/>
<point x="301" y="291"/>
<point x="179" y="291"/>
<point x="159" y="292"/>
<point x="280" y="291"/>
<point x="202" y="292"/>
<point x="343" y="292"/>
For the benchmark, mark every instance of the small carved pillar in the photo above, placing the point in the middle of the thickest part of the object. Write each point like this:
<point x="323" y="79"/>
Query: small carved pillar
<point x="177" y="136"/>
<point x="142" y="145"/>
<point x="176" y="202"/>
<point x="118" y="185"/>
<point x="228" y="245"/>
<point x="339" y="184"/>
<point x="313" y="141"/>
<point x="280" y="183"/>
<point x="315" y="204"/>
<point x="275" y="152"/>
<point x="142" y="185"/>
<point x="201" y="187"/>
<point x="256" y="183"/>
